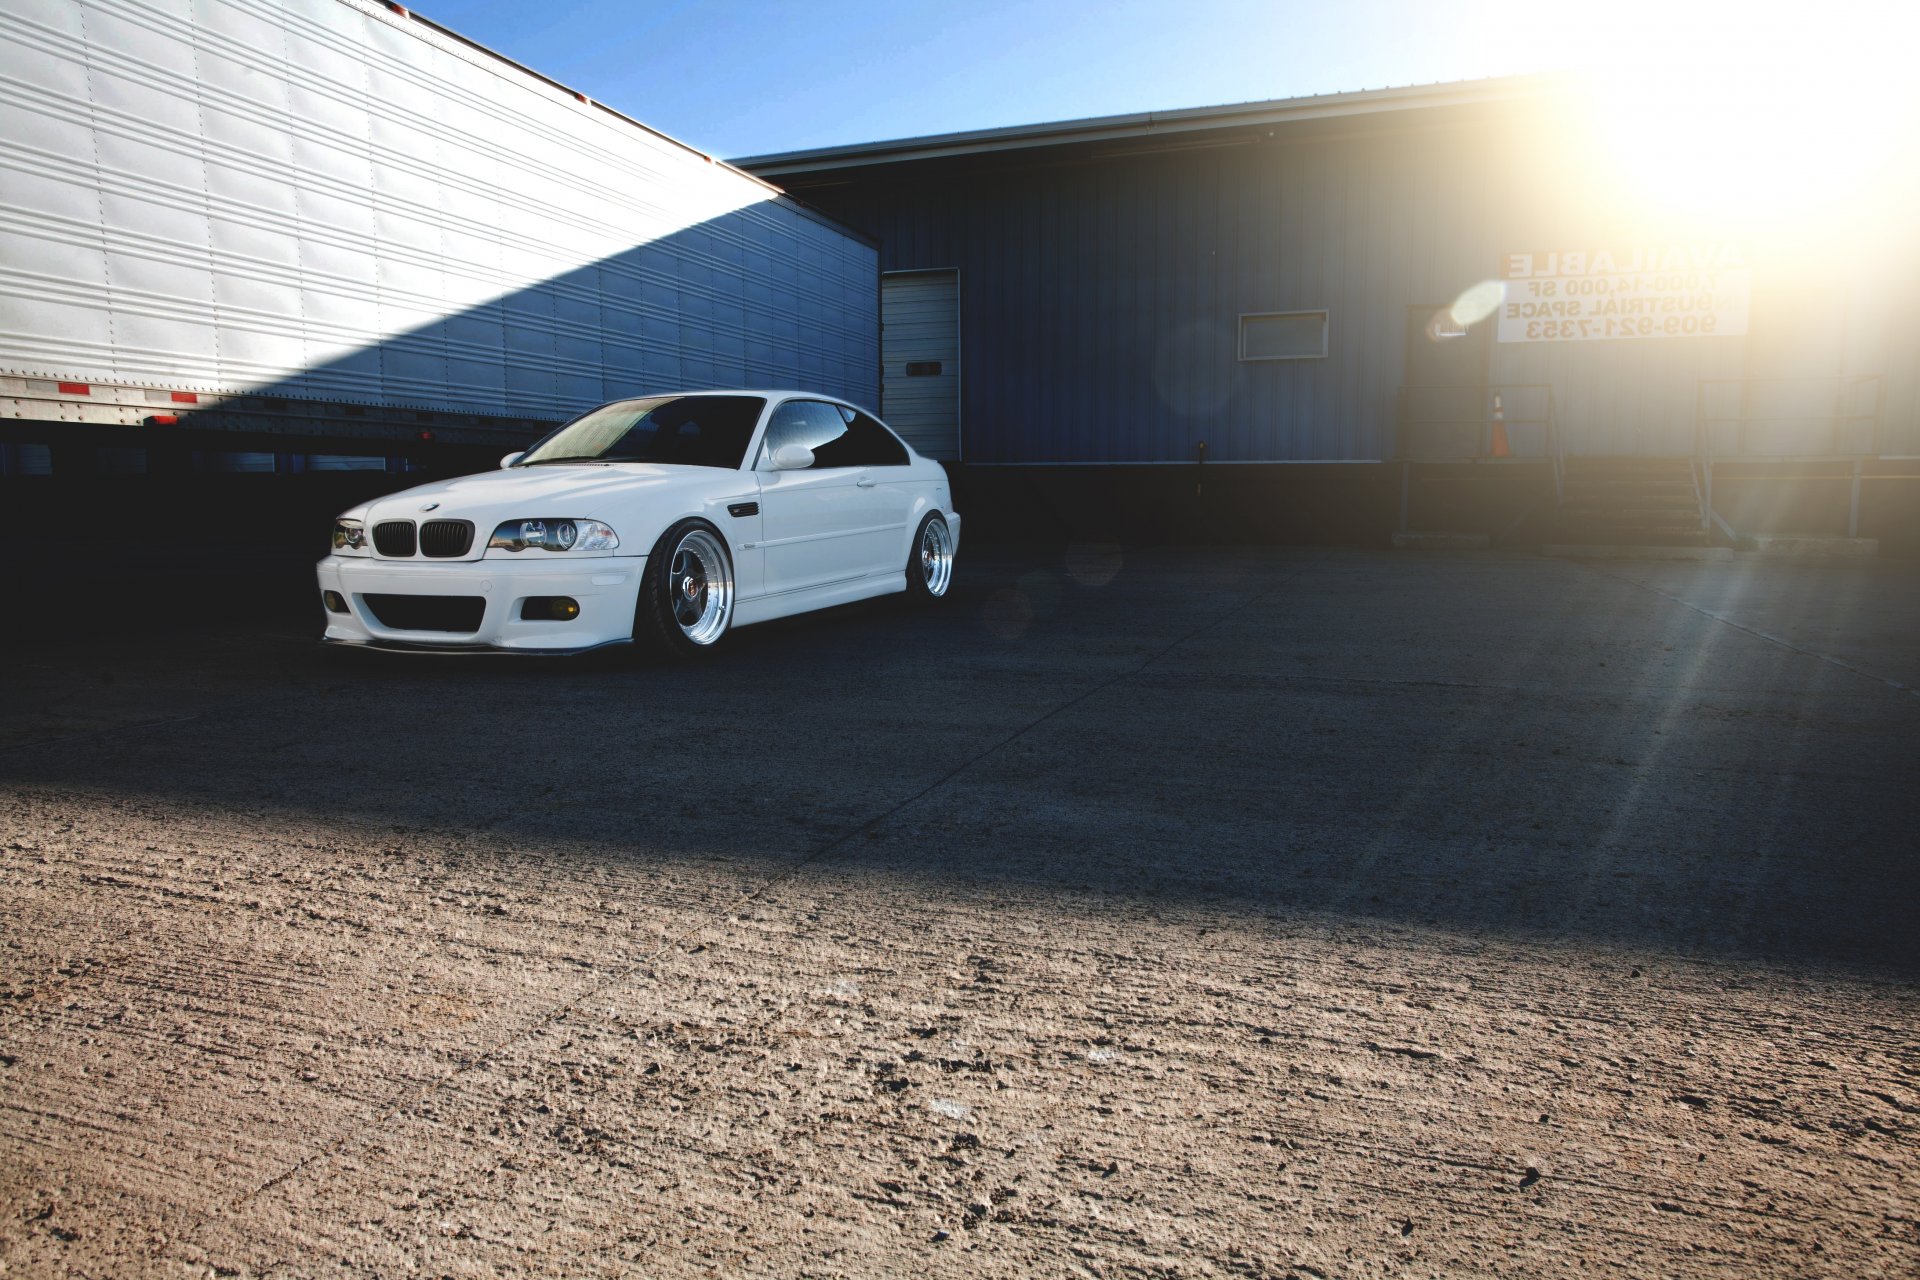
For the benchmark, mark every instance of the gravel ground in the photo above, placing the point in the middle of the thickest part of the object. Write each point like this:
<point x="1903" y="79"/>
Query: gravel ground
<point x="1164" y="912"/>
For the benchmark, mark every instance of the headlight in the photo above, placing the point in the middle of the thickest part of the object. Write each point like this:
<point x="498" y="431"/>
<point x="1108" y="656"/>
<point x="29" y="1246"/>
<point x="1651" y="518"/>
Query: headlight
<point x="349" y="537"/>
<point x="554" y="535"/>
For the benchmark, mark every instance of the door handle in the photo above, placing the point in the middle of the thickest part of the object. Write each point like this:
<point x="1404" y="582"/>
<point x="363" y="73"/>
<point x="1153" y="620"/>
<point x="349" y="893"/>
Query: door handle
<point x="866" y="482"/>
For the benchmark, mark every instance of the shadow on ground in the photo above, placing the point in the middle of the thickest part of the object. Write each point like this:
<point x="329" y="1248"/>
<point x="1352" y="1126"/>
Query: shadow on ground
<point x="1482" y="744"/>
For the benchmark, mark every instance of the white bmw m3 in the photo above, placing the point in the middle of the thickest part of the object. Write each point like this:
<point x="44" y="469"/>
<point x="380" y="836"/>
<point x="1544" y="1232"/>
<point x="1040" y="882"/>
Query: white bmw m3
<point x="663" y="520"/>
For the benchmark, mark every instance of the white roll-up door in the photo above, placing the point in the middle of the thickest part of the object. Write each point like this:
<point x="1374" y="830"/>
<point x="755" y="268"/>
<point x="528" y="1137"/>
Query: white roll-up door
<point x="920" y="359"/>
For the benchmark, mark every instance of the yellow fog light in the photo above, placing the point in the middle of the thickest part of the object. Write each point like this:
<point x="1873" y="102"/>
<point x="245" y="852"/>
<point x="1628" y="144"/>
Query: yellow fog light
<point x="550" y="609"/>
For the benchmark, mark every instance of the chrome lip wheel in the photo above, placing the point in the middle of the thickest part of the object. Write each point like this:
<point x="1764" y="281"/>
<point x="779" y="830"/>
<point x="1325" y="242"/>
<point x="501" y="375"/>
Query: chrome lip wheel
<point x="700" y="587"/>
<point x="936" y="557"/>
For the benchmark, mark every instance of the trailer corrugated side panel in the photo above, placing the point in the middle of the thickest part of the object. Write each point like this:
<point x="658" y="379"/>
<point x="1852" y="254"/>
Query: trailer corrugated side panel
<point x="322" y="198"/>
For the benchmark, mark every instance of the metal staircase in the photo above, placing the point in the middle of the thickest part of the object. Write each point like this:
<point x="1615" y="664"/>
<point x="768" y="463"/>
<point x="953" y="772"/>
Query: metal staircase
<point x="1651" y="502"/>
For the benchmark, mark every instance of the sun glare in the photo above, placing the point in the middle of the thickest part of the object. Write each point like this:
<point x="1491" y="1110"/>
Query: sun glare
<point x="1766" y="115"/>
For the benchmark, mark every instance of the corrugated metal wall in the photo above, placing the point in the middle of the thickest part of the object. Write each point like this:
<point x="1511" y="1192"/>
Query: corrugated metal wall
<point x="324" y="198"/>
<point x="1101" y="296"/>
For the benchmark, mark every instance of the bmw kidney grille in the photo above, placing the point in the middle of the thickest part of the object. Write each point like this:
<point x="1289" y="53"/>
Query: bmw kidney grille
<point x="437" y="539"/>
<point x="446" y="539"/>
<point x="394" y="538"/>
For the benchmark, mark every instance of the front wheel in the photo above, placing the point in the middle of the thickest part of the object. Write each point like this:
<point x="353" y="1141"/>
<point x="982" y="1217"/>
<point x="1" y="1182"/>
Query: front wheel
<point x="686" y="593"/>
<point x="930" y="563"/>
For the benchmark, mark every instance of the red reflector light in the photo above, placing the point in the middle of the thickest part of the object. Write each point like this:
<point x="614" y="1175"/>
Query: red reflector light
<point x="424" y="435"/>
<point x="185" y="397"/>
<point x="165" y="419"/>
<point x="75" y="389"/>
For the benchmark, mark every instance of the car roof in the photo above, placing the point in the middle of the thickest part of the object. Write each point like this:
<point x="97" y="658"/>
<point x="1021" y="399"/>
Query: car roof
<point x="772" y="394"/>
<point x="780" y="393"/>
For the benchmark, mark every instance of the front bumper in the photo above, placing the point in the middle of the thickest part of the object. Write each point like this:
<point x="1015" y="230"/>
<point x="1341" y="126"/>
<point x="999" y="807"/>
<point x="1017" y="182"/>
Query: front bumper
<point x="606" y="588"/>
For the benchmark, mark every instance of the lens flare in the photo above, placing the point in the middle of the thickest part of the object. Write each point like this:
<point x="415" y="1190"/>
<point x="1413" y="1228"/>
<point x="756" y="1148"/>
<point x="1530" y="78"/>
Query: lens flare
<point x="1477" y="303"/>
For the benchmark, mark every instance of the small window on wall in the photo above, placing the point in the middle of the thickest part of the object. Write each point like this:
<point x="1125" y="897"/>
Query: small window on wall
<point x="1283" y="335"/>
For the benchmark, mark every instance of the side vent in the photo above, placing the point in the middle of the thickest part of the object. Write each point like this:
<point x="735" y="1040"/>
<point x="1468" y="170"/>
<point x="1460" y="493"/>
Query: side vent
<point x="743" y="508"/>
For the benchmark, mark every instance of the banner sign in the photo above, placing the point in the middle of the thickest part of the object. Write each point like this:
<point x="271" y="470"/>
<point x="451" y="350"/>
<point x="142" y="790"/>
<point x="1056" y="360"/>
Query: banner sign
<point x="1581" y="295"/>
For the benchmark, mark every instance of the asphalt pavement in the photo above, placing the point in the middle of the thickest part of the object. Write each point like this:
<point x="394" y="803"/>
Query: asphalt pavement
<point x="1167" y="910"/>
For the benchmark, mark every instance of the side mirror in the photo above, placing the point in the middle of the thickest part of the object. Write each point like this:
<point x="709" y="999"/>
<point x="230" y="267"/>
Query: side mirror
<point x="792" y="457"/>
<point x="510" y="459"/>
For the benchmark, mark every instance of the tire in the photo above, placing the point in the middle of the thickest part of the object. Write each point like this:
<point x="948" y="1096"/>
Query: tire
<point x="930" y="560"/>
<point x="686" y="593"/>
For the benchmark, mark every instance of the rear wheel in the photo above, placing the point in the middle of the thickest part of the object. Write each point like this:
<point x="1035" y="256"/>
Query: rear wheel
<point x="930" y="563"/>
<point x="686" y="592"/>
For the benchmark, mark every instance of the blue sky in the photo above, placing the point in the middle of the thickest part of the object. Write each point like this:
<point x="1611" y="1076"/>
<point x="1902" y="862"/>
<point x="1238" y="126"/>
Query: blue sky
<point x="751" y="76"/>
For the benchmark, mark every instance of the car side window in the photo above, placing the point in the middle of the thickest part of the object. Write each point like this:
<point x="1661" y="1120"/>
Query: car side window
<point x="812" y="423"/>
<point x="865" y="444"/>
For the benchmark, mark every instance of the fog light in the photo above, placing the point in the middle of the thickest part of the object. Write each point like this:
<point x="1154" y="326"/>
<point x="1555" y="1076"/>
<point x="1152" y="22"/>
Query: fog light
<point x="335" y="604"/>
<point x="550" y="609"/>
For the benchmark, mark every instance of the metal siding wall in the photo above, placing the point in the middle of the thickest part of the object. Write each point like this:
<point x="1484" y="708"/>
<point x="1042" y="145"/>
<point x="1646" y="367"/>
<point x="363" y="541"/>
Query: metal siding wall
<point x="1101" y="298"/>
<point x="1098" y="322"/>
<point x="322" y="198"/>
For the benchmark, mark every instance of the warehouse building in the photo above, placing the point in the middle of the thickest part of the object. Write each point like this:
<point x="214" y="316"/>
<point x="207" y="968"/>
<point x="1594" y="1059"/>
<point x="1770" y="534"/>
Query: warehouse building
<point x="1454" y="307"/>
<point x="312" y="236"/>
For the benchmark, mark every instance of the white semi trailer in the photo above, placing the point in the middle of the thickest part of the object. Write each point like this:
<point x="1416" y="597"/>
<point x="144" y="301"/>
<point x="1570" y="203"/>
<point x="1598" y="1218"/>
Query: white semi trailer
<point x="331" y="226"/>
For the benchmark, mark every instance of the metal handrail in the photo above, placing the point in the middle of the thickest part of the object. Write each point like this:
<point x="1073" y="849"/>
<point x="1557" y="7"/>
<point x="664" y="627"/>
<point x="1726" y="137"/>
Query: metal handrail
<point x="1557" y="445"/>
<point x="1838" y="420"/>
<point x="1703" y="450"/>
<point x="1843" y="385"/>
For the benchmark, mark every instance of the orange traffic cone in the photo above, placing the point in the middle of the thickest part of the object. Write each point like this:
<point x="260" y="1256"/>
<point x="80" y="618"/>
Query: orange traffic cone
<point x="1501" y="449"/>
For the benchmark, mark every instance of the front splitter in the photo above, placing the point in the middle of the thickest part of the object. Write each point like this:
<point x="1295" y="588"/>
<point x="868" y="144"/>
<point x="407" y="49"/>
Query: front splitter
<point x="473" y="650"/>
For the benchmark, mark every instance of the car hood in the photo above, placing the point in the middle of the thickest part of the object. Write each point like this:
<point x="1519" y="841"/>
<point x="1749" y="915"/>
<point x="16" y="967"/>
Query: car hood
<point x="610" y="493"/>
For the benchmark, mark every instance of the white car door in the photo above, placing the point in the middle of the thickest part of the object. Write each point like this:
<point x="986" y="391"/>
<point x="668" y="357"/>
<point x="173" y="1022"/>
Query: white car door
<point x="824" y="524"/>
<point x="891" y="496"/>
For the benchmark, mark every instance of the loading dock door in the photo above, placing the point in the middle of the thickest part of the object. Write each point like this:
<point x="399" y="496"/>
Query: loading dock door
<point x="920" y="359"/>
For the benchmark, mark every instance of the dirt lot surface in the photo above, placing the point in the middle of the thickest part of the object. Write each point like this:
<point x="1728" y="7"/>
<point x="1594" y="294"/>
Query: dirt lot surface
<point x="1169" y="912"/>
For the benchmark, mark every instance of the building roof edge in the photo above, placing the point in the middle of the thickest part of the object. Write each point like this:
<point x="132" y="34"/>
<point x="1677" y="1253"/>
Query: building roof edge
<point x="1277" y="111"/>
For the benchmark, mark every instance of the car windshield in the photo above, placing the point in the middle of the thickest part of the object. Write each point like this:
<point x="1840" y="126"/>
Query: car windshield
<point x="692" y="431"/>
